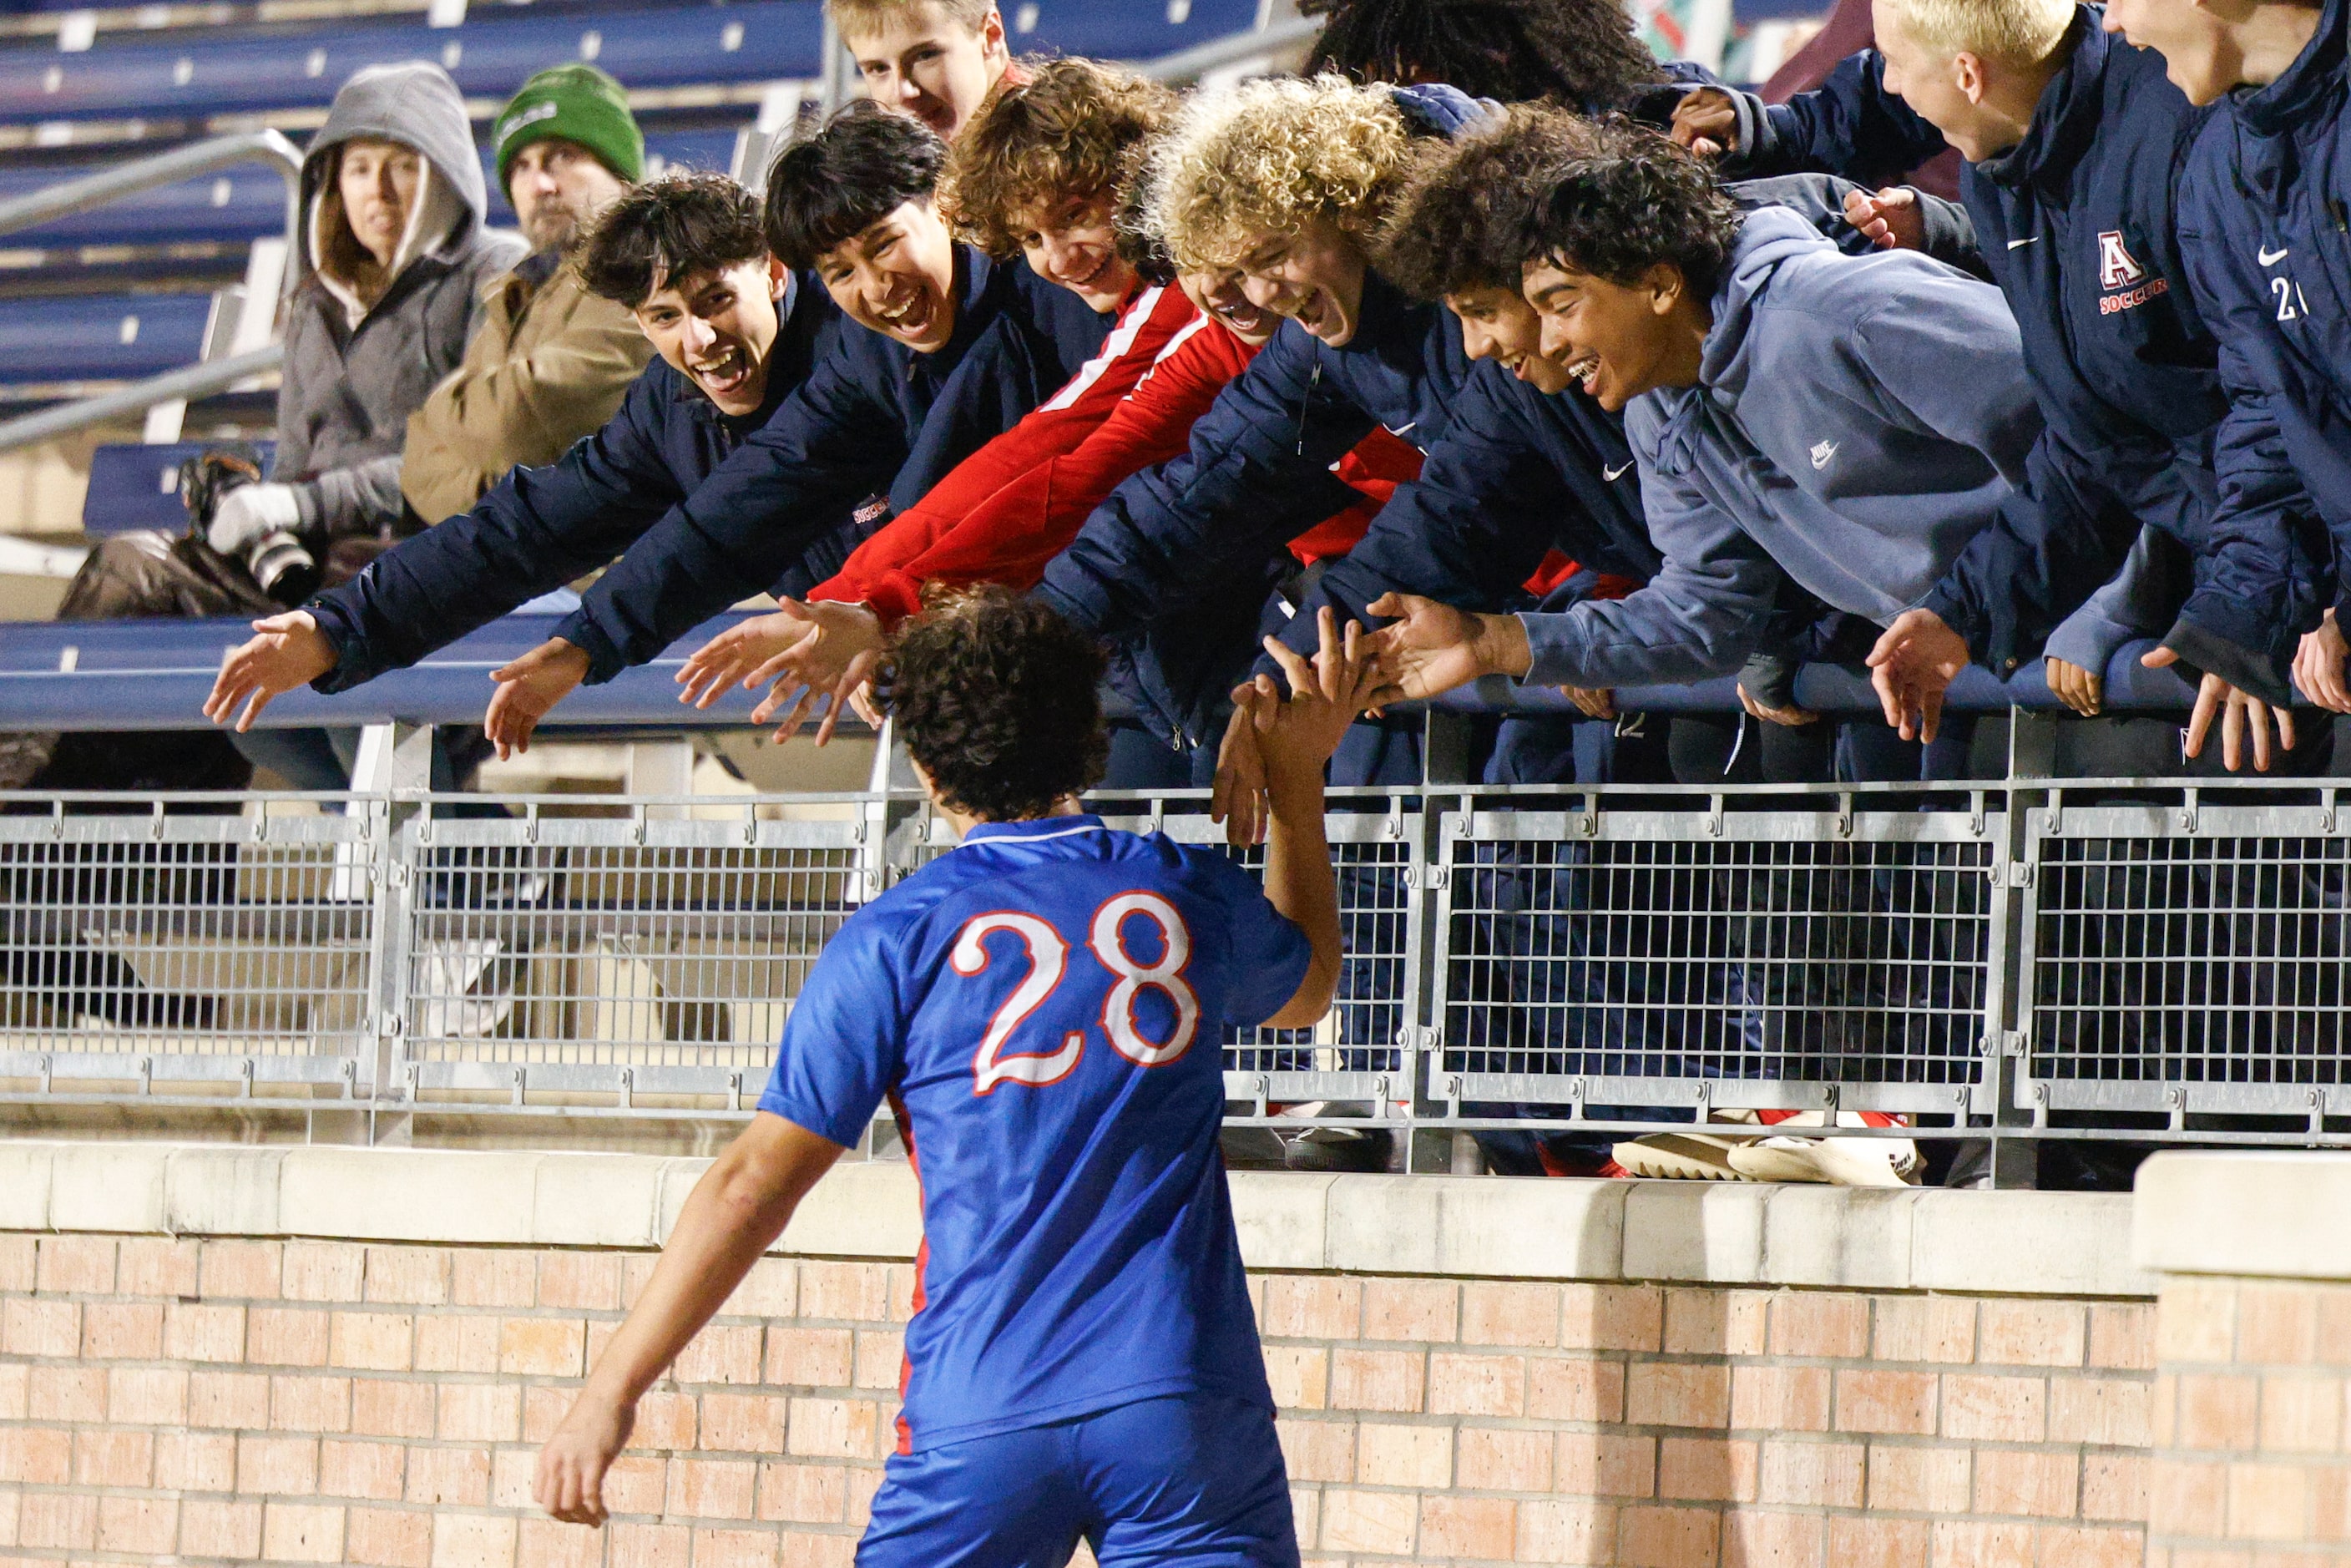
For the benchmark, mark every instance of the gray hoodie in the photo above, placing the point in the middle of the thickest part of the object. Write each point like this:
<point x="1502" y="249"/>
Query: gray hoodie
<point x="1856" y="421"/>
<point x="354" y="374"/>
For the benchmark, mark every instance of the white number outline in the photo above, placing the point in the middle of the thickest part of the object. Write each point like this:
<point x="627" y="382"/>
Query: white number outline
<point x="1048" y="958"/>
<point x="1108" y="940"/>
<point x="2289" y="296"/>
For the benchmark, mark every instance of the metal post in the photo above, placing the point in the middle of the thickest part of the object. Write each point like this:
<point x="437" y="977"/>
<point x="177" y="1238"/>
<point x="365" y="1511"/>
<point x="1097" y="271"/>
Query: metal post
<point x="395" y="768"/>
<point x="1445" y="760"/>
<point x="2011" y="1161"/>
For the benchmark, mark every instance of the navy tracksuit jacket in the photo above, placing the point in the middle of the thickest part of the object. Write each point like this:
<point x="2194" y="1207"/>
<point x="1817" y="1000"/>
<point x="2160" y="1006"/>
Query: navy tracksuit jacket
<point x="538" y="528"/>
<point x="2077" y="226"/>
<point x="872" y="418"/>
<point x="2265" y="226"/>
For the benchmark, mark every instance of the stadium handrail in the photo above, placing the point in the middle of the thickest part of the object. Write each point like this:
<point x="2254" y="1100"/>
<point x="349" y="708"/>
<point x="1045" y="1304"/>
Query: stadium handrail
<point x="155" y="675"/>
<point x="112" y="185"/>
<point x="130" y="179"/>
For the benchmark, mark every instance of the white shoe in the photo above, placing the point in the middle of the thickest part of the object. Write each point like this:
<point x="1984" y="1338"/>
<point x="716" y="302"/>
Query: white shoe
<point x="1684" y="1157"/>
<point x="1838" y="1162"/>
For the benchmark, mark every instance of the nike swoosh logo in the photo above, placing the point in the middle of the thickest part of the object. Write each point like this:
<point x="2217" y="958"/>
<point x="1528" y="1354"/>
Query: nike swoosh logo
<point x="2021" y="244"/>
<point x="1612" y="475"/>
<point x="2272" y="258"/>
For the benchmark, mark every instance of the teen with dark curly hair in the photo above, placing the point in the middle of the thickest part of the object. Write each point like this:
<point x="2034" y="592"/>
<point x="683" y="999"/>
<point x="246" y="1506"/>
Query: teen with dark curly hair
<point x="1849" y="422"/>
<point x="1578" y="53"/>
<point x="1041" y="1008"/>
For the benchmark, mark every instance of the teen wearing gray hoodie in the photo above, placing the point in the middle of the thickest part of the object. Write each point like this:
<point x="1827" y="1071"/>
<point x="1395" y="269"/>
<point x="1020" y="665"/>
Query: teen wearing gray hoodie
<point x="1849" y="423"/>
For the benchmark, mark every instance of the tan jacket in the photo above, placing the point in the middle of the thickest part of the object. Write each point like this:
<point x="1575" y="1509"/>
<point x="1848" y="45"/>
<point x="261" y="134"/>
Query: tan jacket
<point x="545" y="367"/>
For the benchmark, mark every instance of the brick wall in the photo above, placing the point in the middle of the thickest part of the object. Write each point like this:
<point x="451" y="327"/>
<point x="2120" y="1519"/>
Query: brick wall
<point x="297" y="1400"/>
<point x="2250" y="1466"/>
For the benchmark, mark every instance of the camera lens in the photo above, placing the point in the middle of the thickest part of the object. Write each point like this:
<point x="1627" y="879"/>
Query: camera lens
<point x="285" y="569"/>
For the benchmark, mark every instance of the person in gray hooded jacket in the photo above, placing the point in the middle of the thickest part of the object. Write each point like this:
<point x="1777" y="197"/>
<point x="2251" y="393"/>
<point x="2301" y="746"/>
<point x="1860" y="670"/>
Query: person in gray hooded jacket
<point x="1849" y="422"/>
<point x="393" y="255"/>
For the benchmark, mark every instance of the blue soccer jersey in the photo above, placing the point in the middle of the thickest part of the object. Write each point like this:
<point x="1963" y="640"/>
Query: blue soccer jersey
<point x="1045" y="1005"/>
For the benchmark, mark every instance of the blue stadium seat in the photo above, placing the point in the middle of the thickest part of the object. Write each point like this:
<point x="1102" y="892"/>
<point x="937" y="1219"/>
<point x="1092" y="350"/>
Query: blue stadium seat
<point x="198" y="73"/>
<point x="134" y="486"/>
<point x="238" y="205"/>
<point x="102" y="338"/>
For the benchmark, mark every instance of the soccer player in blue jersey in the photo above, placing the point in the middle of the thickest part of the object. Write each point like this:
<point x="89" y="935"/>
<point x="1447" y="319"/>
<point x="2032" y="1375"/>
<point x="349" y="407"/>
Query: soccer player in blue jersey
<point x="1042" y="1006"/>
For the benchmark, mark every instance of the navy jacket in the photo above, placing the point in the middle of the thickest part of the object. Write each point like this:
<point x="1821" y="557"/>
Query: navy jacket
<point x="874" y="418"/>
<point x="1258" y="471"/>
<point x="538" y="528"/>
<point x="2077" y="224"/>
<point x="2266" y="211"/>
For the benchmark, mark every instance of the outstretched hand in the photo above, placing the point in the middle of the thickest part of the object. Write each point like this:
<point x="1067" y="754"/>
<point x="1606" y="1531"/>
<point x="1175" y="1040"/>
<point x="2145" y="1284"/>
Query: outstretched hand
<point x="2240" y="713"/>
<point x="2318" y="666"/>
<point x="284" y="651"/>
<point x="1706" y="122"/>
<point x="528" y="689"/>
<point x="1890" y="220"/>
<point x="1913" y="664"/>
<point x="570" y="1481"/>
<point x="1432" y="647"/>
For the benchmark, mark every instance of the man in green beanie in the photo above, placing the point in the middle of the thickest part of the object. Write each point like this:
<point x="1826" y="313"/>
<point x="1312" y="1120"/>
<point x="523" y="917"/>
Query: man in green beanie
<point x="548" y="360"/>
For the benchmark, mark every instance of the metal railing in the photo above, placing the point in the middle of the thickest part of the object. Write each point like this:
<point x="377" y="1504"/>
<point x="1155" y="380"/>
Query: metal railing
<point x="2003" y="960"/>
<point x="108" y="186"/>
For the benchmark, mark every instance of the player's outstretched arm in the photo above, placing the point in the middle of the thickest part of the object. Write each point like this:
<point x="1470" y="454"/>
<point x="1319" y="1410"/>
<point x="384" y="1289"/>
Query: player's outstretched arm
<point x="1295" y="739"/>
<point x="738" y="1208"/>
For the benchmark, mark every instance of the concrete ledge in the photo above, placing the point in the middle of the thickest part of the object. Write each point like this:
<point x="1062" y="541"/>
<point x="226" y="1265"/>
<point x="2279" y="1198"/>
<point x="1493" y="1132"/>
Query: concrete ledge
<point x="2067" y="1244"/>
<point x="2284" y="1215"/>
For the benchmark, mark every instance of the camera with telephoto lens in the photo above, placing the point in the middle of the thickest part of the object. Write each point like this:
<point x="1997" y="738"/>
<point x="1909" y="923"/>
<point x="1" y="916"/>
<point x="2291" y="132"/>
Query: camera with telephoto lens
<point x="281" y="564"/>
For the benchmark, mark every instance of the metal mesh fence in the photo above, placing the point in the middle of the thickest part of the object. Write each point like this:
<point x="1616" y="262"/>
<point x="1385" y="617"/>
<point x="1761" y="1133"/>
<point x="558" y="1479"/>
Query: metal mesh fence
<point x="2187" y="957"/>
<point x="599" y="944"/>
<point x="1671" y="952"/>
<point x="2144" y="952"/>
<point x="137" y="941"/>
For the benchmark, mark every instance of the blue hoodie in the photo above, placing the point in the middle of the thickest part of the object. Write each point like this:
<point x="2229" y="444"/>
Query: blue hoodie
<point x="874" y="418"/>
<point x="1858" y="419"/>
<point x="2264" y="209"/>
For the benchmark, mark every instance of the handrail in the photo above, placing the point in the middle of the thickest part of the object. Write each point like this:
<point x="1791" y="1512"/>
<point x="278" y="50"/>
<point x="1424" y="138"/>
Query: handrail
<point x="190" y="381"/>
<point x="67" y="197"/>
<point x="70" y="196"/>
<point x="1185" y="64"/>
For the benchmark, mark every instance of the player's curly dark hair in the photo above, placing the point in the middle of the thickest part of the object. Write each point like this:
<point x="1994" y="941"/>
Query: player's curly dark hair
<point x="1462" y="218"/>
<point x="865" y="165"/>
<point x="994" y="695"/>
<point x="684" y="223"/>
<point x="1636" y="201"/>
<point x="1579" y="53"/>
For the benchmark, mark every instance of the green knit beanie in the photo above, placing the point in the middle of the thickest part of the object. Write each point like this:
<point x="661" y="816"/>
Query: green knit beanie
<point x="577" y="103"/>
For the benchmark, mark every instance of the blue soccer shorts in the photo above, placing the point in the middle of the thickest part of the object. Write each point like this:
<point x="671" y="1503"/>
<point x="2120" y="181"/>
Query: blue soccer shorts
<point x="1191" y="1481"/>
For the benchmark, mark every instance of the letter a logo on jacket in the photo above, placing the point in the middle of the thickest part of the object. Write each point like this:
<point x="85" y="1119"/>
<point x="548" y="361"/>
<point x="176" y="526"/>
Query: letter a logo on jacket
<point x="2115" y="268"/>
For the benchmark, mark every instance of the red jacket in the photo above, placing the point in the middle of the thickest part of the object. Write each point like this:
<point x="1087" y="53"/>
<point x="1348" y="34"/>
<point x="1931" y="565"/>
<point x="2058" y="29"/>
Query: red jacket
<point x="1016" y="504"/>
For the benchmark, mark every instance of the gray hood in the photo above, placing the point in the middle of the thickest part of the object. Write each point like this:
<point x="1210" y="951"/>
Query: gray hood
<point x="415" y="104"/>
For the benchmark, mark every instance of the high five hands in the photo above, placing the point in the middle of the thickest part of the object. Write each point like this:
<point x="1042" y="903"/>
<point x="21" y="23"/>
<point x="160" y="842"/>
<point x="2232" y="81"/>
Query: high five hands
<point x="809" y="651"/>
<point x="1270" y="736"/>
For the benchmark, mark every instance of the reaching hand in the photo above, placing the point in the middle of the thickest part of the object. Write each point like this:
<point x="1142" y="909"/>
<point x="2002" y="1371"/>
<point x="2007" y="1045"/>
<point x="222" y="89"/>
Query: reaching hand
<point x="2238" y="711"/>
<point x="836" y="657"/>
<point x="570" y="1481"/>
<point x="1296" y="737"/>
<point x="2082" y="690"/>
<point x="527" y="688"/>
<point x="1238" y="799"/>
<point x="1433" y="647"/>
<point x="1707" y="123"/>
<point x="1792" y="716"/>
<point x="2318" y="666"/>
<point x="732" y="655"/>
<point x="1912" y="665"/>
<point x="1592" y="701"/>
<point x="286" y="651"/>
<point x="1891" y="220"/>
